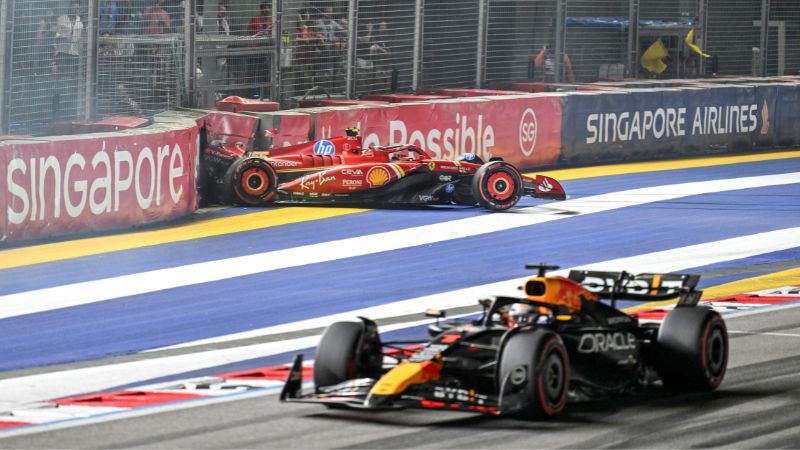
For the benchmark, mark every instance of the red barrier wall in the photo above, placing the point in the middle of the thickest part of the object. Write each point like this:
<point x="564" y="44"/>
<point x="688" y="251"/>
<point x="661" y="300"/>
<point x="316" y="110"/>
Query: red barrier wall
<point x="525" y="131"/>
<point x="64" y="185"/>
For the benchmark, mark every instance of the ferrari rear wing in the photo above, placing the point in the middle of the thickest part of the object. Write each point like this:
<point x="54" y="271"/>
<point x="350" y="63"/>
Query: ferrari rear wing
<point x="643" y="287"/>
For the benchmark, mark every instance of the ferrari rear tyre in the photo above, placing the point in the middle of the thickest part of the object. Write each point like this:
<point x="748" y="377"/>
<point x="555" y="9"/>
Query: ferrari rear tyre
<point x="347" y="350"/>
<point x="251" y="181"/>
<point x="497" y="186"/>
<point x="534" y="365"/>
<point x="692" y="349"/>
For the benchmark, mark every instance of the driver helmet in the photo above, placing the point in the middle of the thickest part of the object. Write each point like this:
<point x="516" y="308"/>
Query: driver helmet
<point x="520" y="314"/>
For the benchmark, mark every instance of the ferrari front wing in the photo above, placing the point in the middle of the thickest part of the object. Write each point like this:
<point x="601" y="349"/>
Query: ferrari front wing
<point x="543" y="187"/>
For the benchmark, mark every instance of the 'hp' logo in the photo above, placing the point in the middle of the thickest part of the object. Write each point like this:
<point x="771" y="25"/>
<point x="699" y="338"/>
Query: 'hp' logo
<point x="324" y="147"/>
<point x="527" y="132"/>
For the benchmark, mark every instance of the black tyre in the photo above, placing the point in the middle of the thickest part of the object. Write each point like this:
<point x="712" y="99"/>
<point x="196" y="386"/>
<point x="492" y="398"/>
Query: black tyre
<point x="536" y="365"/>
<point x="347" y="350"/>
<point x="497" y="186"/>
<point x="251" y="181"/>
<point x="692" y="349"/>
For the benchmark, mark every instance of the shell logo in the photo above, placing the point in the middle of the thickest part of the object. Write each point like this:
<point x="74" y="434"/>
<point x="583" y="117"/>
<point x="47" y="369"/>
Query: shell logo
<point x="377" y="176"/>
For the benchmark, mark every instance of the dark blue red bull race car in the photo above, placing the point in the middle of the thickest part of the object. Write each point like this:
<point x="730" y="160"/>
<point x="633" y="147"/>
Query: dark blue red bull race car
<point x="340" y="170"/>
<point x="527" y="356"/>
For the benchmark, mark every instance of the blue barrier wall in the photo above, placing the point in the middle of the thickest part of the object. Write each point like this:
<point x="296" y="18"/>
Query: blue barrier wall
<point x="661" y="123"/>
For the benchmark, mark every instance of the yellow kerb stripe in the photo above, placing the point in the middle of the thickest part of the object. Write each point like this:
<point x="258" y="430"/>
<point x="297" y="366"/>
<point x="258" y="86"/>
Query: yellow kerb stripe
<point x="789" y="277"/>
<point x="204" y="228"/>
<point x="214" y="227"/>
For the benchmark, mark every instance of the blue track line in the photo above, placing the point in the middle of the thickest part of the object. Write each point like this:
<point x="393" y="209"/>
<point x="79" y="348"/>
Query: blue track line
<point x="244" y="303"/>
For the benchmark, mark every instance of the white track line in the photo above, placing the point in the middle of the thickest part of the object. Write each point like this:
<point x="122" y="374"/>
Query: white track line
<point x="663" y="261"/>
<point x="71" y="382"/>
<point x="40" y="300"/>
<point x="758" y="333"/>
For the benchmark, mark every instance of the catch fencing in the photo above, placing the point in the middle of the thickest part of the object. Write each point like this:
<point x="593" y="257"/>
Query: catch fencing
<point x="139" y="57"/>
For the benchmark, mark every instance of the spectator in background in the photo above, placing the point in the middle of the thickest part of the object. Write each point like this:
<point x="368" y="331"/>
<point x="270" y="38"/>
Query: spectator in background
<point x="308" y="39"/>
<point x="156" y="19"/>
<point x="331" y="30"/>
<point x="303" y="16"/>
<point x="365" y="41"/>
<point x="108" y="12"/>
<point x="307" y="50"/>
<point x="371" y="45"/>
<point x="222" y="24"/>
<point x="69" y="37"/>
<point x="544" y="66"/>
<point x="44" y="43"/>
<point x="261" y="25"/>
<point x="69" y="32"/>
<point x="175" y="10"/>
<point x="379" y="46"/>
<point x="333" y="33"/>
<point x="130" y="18"/>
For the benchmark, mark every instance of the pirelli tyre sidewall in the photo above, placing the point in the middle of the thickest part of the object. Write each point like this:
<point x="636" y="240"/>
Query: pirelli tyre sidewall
<point x="536" y="364"/>
<point x="335" y="361"/>
<point x="251" y="181"/>
<point x="692" y="351"/>
<point x="497" y="186"/>
<point x="347" y="350"/>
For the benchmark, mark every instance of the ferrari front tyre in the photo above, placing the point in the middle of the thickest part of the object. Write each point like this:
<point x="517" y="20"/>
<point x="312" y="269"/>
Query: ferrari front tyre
<point x="692" y="351"/>
<point x="347" y="350"/>
<point x="534" y="367"/>
<point x="251" y="181"/>
<point x="497" y="186"/>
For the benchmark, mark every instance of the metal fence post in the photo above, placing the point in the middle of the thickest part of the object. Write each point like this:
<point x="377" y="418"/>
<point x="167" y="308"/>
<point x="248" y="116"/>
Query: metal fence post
<point x="5" y="44"/>
<point x="189" y="60"/>
<point x="480" y="58"/>
<point x="561" y="35"/>
<point x="764" y="41"/>
<point x="93" y="30"/>
<point x="702" y="21"/>
<point x="632" y="62"/>
<point x="352" y="40"/>
<point x="277" y="39"/>
<point x="416" y="64"/>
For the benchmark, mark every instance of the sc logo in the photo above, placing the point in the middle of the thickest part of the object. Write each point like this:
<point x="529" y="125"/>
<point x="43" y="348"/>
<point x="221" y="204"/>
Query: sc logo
<point x="324" y="148"/>
<point x="527" y="132"/>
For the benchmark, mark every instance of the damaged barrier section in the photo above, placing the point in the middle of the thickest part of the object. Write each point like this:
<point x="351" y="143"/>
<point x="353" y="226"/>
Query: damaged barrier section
<point x="79" y="184"/>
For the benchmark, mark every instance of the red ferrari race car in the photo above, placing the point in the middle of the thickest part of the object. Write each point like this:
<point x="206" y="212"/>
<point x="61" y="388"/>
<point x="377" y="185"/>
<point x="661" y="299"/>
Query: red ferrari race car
<point x="341" y="170"/>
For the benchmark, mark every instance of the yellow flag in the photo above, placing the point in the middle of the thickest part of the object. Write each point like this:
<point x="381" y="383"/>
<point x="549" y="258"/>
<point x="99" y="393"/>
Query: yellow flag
<point x="693" y="46"/>
<point x="652" y="57"/>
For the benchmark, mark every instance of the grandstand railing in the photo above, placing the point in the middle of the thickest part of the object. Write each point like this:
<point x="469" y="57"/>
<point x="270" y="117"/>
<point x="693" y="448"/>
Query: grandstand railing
<point x="140" y="57"/>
